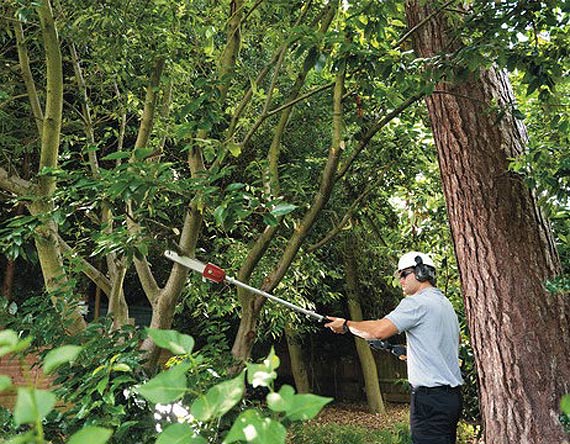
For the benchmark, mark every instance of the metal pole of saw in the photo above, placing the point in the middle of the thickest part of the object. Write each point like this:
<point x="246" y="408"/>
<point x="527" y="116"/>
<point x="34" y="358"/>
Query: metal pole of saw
<point x="294" y="307"/>
<point x="216" y="274"/>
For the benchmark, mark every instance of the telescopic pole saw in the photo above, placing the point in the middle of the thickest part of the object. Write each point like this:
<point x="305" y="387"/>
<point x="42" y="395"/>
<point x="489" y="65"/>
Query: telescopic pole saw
<point x="216" y="274"/>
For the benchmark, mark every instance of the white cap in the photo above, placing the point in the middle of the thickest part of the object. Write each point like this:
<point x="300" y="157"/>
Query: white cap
<point x="408" y="260"/>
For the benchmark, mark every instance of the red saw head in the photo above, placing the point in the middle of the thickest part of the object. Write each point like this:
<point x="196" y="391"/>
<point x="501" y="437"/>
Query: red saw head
<point x="214" y="273"/>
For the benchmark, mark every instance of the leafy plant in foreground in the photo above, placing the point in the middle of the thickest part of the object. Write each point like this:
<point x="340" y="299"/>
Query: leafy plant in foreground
<point x="34" y="408"/>
<point x="34" y="405"/>
<point x="252" y="425"/>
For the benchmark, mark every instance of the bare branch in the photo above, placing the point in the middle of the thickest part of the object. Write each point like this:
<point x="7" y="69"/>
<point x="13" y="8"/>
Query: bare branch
<point x="14" y="183"/>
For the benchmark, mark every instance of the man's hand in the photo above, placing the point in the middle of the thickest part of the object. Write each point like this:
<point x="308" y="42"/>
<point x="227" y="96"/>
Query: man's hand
<point x="336" y="325"/>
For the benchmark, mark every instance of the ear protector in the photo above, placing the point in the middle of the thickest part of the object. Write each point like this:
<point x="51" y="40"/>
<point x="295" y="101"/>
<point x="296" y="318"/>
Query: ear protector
<point x="422" y="271"/>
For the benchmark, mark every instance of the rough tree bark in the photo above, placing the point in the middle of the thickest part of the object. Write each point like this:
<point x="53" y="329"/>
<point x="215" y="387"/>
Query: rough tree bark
<point x="504" y="249"/>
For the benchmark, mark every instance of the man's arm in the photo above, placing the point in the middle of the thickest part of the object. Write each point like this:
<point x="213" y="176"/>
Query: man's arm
<point x="377" y="329"/>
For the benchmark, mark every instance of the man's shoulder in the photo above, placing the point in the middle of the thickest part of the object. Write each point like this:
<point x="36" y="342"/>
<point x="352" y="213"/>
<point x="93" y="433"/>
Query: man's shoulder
<point x="430" y="291"/>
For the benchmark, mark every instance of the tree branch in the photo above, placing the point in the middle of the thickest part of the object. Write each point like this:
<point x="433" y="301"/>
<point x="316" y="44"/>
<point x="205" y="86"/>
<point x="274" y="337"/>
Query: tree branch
<point x="350" y="211"/>
<point x="323" y="194"/>
<point x="374" y="129"/>
<point x="300" y="99"/>
<point x="144" y="272"/>
<point x="96" y="276"/>
<point x="14" y="183"/>
<point x="28" y="77"/>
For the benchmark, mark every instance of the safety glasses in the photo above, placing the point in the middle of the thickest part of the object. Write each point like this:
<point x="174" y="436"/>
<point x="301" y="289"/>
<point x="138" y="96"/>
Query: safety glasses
<point x="405" y="273"/>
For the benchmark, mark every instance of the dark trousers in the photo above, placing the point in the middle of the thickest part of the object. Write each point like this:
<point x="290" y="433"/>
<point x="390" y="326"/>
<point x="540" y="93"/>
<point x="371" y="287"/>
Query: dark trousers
<point x="434" y="413"/>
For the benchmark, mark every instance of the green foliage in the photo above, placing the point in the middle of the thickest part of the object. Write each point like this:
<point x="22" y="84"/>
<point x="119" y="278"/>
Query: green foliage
<point x="565" y="412"/>
<point x="219" y="399"/>
<point x="177" y="343"/>
<point x="252" y="425"/>
<point x="118" y="44"/>
<point x="15" y="234"/>
<point x="34" y="405"/>
<point x="11" y="343"/>
<point x="98" y="386"/>
<point x="179" y="434"/>
<point x="167" y="387"/>
<point x="36" y="317"/>
<point x="62" y="355"/>
<point x="91" y="435"/>
<point x="470" y="389"/>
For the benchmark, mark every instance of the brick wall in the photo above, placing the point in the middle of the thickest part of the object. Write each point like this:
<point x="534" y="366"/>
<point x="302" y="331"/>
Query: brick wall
<point x="23" y="372"/>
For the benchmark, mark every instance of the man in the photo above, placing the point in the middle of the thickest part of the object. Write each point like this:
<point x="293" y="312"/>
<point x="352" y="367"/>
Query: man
<point x="432" y="333"/>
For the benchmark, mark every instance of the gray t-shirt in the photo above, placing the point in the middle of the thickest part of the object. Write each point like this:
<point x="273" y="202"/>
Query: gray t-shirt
<point x="432" y="333"/>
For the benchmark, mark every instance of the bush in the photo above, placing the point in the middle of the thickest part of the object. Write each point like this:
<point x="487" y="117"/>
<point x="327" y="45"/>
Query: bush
<point x="113" y="403"/>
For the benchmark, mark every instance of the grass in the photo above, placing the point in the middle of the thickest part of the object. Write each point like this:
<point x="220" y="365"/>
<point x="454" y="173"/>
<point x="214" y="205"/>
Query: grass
<point x="346" y="434"/>
<point x="342" y="423"/>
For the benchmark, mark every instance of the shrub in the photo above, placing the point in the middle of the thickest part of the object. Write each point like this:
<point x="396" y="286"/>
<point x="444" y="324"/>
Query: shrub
<point x="113" y="405"/>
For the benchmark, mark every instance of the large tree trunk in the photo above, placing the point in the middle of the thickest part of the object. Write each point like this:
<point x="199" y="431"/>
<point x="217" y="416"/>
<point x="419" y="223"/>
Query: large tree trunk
<point x="367" y="362"/>
<point x="504" y="249"/>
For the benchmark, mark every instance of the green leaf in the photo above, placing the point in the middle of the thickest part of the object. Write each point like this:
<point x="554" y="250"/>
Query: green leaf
<point x="177" y="343"/>
<point x="235" y="186"/>
<point x="5" y="382"/>
<point x="518" y="114"/>
<point x="281" y="401"/>
<point x="306" y="406"/>
<point x="117" y="155"/>
<point x="32" y="405"/>
<point x="59" y="356"/>
<point x="220" y="214"/>
<point x="143" y="153"/>
<point x="179" y="434"/>
<point x="8" y="338"/>
<point x="121" y="368"/>
<point x="321" y="61"/>
<point x="219" y="399"/>
<point x="283" y="209"/>
<point x="251" y="427"/>
<point x="10" y="343"/>
<point x="565" y="404"/>
<point x="270" y="220"/>
<point x="261" y="375"/>
<point x="167" y="387"/>
<point x="234" y="148"/>
<point x="91" y="435"/>
<point x="23" y="438"/>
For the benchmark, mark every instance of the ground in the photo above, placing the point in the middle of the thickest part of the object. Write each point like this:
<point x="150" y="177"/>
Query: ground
<point x="358" y="414"/>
